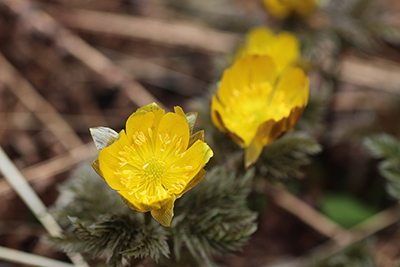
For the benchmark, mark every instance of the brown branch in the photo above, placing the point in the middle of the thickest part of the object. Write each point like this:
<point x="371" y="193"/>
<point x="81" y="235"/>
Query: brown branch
<point x="359" y="232"/>
<point x="24" y="121"/>
<point x="182" y="33"/>
<point x="305" y="213"/>
<point x="45" y="24"/>
<point x="351" y="100"/>
<point x="28" y="95"/>
<point x="47" y="58"/>
<point x="372" y="73"/>
<point x="155" y="73"/>
<point x="54" y="166"/>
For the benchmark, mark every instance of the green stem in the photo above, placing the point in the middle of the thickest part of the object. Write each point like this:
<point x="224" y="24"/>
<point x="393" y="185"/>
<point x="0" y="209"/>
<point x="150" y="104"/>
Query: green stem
<point x="147" y="218"/>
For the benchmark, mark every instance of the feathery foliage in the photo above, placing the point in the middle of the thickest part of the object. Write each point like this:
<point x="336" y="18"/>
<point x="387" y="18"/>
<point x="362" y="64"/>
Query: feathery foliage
<point x="387" y="148"/>
<point x="86" y="196"/>
<point x="316" y="109"/>
<point x="213" y="218"/>
<point x="283" y="158"/>
<point x="101" y="223"/>
<point x="338" y="25"/>
<point x="359" y="23"/>
<point x="358" y="255"/>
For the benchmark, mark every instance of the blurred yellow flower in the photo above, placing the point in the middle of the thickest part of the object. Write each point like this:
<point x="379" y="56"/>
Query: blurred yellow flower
<point x="155" y="162"/>
<point x="283" y="48"/>
<point x="254" y="105"/>
<point x="283" y="8"/>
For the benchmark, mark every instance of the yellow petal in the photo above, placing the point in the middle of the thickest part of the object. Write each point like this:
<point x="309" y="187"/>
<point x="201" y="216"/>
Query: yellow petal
<point x="128" y="203"/>
<point x="291" y="91"/>
<point x="96" y="167"/>
<point x="285" y="50"/>
<point x="258" y="41"/>
<point x="246" y="108"/>
<point x="243" y="74"/>
<point x="190" y="117"/>
<point x="197" y="136"/>
<point x="165" y="213"/>
<point x="282" y="8"/>
<point x="199" y="176"/>
<point x="109" y="163"/>
<point x="241" y="110"/>
<point x="305" y="7"/>
<point x="277" y="9"/>
<point x="216" y="110"/>
<point x="217" y="113"/>
<point x="144" y="118"/>
<point x="253" y="152"/>
<point x="150" y="198"/>
<point x="176" y="127"/>
<point x="187" y="167"/>
<point x="294" y="117"/>
<point x="264" y="132"/>
<point x="178" y="110"/>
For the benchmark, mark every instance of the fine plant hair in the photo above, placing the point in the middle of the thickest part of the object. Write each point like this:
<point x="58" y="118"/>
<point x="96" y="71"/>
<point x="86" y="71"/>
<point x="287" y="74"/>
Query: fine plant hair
<point x="211" y="219"/>
<point x="214" y="219"/>
<point x="387" y="149"/>
<point x="283" y="158"/>
<point x="357" y="255"/>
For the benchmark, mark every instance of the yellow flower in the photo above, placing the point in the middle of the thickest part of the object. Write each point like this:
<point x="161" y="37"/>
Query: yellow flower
<point x="155" y="161"/>
<point x="283" y="48"/>
<point x="254" y="105"/>
<point x="283" y="8"/>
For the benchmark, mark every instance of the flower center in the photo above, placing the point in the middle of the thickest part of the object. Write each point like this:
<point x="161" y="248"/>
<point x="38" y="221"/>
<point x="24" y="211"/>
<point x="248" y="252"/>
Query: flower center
<point x="154" y="168"/>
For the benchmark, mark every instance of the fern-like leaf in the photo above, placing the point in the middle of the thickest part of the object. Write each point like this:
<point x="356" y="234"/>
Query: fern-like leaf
<point x="283" y="158"/>
<point x="98" y="222"/>
<point x="213" y="218"/>
<point x="383" y="146"/>
<point x="387" y="148"/>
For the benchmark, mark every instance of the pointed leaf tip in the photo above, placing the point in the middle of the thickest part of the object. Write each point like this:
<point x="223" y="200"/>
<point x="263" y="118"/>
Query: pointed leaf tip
<point x="103" y="137"/>
<point x="191" y="118"/>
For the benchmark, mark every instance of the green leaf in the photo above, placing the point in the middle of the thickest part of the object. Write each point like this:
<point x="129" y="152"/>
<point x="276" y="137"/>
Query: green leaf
<point x="98" y="222"/>
<point x="283" y="158"/>
<point x="88" y="189"/>
<point x="345" y="209"/>
<point x="313" y="116"/>
<point x="386" y="147"/>
<point x="152" y="241"/>
<point x="383" y="146"/>
<point x="213" y="217"/>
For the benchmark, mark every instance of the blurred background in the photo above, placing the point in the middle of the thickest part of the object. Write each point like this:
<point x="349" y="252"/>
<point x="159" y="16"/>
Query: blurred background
<point x="68" y="65"/>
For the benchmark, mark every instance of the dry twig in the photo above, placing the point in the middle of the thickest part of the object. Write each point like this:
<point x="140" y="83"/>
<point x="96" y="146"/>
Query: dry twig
<point x="32" y="200"/>
<point x="28" y="259"/>
<point x="65" y="39"/>
<point x="373" y="73"/>
<point x="37" y="104"/>
<point x="181" y="33"/>
<point x="359" y="232"/>
<point x="54" y="166"/>
<point x="350" y="101"/>
<point x="306" y="213"/>
<point x="376" y="73"/>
